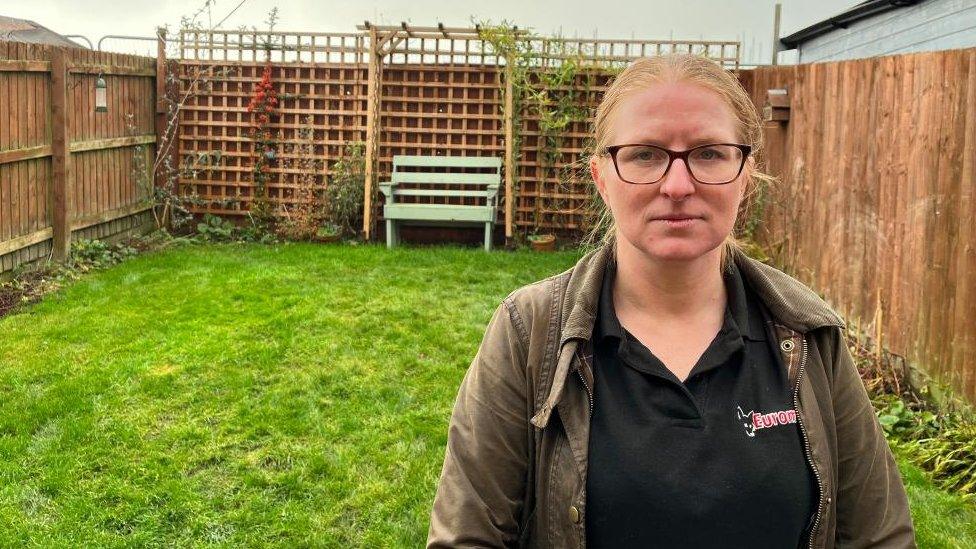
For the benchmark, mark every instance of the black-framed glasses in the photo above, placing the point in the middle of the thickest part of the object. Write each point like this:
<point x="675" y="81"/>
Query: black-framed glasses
<point x="711" y="164"/>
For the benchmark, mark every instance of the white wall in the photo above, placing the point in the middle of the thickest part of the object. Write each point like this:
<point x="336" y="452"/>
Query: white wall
<point x="927" y="26"/>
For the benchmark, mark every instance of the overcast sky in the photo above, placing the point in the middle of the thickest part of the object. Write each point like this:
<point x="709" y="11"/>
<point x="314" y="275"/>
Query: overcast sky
<point x="750" y="21"/>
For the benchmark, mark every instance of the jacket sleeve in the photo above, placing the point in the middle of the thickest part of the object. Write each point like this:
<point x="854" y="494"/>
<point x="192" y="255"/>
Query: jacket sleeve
<point x="872" y="507"/>
<point x="482" y="483"/>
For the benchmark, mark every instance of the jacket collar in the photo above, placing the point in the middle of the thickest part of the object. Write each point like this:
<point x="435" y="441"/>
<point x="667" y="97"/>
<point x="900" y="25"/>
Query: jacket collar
<point x="789" y="301"/>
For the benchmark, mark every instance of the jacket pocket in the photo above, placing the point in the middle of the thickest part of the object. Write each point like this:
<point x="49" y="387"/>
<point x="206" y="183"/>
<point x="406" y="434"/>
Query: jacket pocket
<point x="561" y="500"/>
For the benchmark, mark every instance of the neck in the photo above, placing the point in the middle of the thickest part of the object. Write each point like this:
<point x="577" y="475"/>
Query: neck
<point x="669" y="289"/>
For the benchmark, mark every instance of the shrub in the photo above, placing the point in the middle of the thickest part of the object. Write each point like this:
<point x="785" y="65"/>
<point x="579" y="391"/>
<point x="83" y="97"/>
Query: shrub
<point x="301" y="219"/>
<point x="94" y="254"/>
<point x="344" y="192"/>
<point x="942" y="443"/>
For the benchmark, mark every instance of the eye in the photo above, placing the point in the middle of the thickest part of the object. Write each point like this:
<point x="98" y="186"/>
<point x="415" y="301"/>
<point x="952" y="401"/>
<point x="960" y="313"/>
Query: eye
<point x="644" y="155"/>
<point x="717" y="152"/>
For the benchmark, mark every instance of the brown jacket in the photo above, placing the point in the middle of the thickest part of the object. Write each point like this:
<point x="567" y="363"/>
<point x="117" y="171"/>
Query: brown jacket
<point x="515" y="464"/>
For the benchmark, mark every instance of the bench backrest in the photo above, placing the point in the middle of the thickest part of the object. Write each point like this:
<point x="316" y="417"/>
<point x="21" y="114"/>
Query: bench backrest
<point x="447" y="170"/>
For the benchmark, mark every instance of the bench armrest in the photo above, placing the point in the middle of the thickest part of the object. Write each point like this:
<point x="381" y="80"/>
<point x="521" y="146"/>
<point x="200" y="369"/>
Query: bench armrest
<point x="386" y="187"/>
<point x="492" y="194"/>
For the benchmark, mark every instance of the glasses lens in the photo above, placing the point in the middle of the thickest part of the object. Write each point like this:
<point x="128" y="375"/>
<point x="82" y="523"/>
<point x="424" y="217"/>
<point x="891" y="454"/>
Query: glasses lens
<point x="641" y="163"/>
<point x="715" y="163"/>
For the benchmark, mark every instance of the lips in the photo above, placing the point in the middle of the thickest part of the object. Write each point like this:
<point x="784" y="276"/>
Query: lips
<point x="675" y="217"/>
<point x="677" y="221"/>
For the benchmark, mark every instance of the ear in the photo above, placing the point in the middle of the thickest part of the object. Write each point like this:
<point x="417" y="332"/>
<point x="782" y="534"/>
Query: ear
<point x="601" y="185"/>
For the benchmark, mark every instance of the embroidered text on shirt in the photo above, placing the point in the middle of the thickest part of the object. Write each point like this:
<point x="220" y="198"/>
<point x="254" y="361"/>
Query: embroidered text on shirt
<point x="754" y="421"/>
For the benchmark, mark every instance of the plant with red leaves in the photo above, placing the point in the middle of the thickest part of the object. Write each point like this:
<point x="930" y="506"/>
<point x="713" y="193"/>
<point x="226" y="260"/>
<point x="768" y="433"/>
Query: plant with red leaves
<point x="264" y="107"/>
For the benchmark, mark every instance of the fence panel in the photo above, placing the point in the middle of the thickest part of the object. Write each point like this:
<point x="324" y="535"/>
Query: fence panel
<point x="874" y="208"/>
<point x="98" y="170"/>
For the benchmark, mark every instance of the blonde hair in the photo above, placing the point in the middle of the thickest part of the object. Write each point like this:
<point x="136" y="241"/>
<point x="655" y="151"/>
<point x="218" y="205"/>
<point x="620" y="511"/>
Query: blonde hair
<point x="678" y="67"/>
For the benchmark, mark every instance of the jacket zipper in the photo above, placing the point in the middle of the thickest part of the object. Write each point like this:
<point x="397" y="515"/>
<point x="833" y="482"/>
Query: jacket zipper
<point x="806" y="441"/>
<point x="589" y="393"/>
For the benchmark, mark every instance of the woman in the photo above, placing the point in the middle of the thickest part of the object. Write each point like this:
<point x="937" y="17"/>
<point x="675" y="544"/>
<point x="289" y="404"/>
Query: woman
<point x="667" y="390"/>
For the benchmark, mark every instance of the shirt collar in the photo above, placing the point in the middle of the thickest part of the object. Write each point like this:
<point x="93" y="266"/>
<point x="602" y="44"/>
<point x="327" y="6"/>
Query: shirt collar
<point x="743" y="307"/>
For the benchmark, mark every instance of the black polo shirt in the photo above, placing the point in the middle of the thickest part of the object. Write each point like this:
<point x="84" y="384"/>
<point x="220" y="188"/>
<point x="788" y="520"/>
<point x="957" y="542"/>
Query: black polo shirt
<point x="716" y="461"/>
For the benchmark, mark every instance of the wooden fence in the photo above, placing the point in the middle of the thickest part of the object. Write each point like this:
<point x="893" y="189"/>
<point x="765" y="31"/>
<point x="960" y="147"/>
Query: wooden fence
<point x="397" y="90"/>
<point x="875" y="207"/>
<point x="65" y="170"/>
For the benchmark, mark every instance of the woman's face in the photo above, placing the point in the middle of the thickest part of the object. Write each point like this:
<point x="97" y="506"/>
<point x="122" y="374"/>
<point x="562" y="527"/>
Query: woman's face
<point x="677" y="116"/>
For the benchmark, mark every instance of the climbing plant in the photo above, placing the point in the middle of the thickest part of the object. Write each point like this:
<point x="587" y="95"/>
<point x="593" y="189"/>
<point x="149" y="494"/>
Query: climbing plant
<point x="558" y="103"/>
<point x="513" y="46"/>
<point x="264" y="106"/>
<point x="545" y="86"/>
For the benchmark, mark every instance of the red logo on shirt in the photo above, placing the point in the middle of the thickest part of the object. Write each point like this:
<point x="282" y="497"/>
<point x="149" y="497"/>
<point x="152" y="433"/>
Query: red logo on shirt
<point x="754" y="421"/>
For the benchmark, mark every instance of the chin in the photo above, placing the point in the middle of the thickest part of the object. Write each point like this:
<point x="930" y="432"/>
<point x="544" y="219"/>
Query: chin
<point x="678" y="251"/>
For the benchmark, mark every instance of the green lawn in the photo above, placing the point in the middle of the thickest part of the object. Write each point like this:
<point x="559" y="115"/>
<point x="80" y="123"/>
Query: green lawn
<point x="255" y="395"/>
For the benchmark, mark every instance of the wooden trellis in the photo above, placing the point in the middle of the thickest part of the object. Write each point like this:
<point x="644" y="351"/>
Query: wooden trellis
<point x="321" y="82"/>
<point x="404" y="90"/>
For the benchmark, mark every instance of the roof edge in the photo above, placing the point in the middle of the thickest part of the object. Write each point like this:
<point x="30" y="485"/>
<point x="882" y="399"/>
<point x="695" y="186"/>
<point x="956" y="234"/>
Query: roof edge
<point x="864" y="10"/>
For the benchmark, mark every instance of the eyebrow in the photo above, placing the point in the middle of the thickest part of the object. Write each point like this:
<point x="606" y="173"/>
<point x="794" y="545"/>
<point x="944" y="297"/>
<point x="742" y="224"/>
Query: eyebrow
<point x="692" y="143"/>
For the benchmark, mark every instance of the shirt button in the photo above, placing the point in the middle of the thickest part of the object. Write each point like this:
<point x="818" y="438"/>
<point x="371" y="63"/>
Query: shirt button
<point x="828" y="499"/>
<point x="574" y="514"/>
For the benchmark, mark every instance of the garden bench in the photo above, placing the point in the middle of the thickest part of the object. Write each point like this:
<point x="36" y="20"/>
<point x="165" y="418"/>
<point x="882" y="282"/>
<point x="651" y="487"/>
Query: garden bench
<point x="431" y="177"/>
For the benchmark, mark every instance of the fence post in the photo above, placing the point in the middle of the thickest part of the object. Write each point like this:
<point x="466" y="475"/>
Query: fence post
<point x="372" y="123"/>
<point x="162" y="128"/>
<point x="509" y="147"/>
<point x="776" y="45"/>
<point x="60" y="156"/>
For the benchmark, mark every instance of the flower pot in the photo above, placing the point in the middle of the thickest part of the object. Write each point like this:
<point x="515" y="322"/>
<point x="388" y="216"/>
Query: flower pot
<point x="543" y="242"/>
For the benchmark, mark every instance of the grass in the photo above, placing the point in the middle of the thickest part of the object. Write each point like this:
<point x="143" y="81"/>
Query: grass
<point x="294" y="395"/>
<point x="941" y="519"/>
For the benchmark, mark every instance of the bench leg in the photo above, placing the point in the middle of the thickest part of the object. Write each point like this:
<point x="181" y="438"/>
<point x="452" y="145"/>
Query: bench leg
<point x="389" y="233"/>
<point x="488" y="237"/>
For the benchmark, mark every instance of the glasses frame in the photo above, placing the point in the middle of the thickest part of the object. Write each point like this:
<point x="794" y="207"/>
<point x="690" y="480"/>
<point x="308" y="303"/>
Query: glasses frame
<point x="672" y="155"/>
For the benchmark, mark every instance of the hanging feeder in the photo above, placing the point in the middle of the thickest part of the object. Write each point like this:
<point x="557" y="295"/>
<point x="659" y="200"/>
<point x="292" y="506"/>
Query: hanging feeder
<point x="101" y="98"/>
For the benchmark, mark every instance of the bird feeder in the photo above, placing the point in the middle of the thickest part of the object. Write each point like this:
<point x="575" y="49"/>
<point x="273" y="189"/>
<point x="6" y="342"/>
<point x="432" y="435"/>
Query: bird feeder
<point x="101" y="98"/>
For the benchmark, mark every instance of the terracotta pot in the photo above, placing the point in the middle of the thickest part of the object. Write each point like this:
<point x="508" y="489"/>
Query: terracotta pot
<point x="543" y="243"/>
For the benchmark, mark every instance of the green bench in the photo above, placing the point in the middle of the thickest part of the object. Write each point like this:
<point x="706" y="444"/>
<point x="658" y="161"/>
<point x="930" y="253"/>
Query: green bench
<point x="430" y="177"/>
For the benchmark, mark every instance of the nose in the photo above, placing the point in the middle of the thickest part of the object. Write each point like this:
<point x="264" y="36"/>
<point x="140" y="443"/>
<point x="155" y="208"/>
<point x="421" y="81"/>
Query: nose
<point x="678" y="183"/>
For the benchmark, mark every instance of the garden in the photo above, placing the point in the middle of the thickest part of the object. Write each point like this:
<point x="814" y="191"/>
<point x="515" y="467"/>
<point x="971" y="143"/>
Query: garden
<point x="222" y="353"/>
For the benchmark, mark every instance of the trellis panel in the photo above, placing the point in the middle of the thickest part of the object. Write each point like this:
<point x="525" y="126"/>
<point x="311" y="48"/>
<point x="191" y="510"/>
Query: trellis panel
<point x="441" y="92"/>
